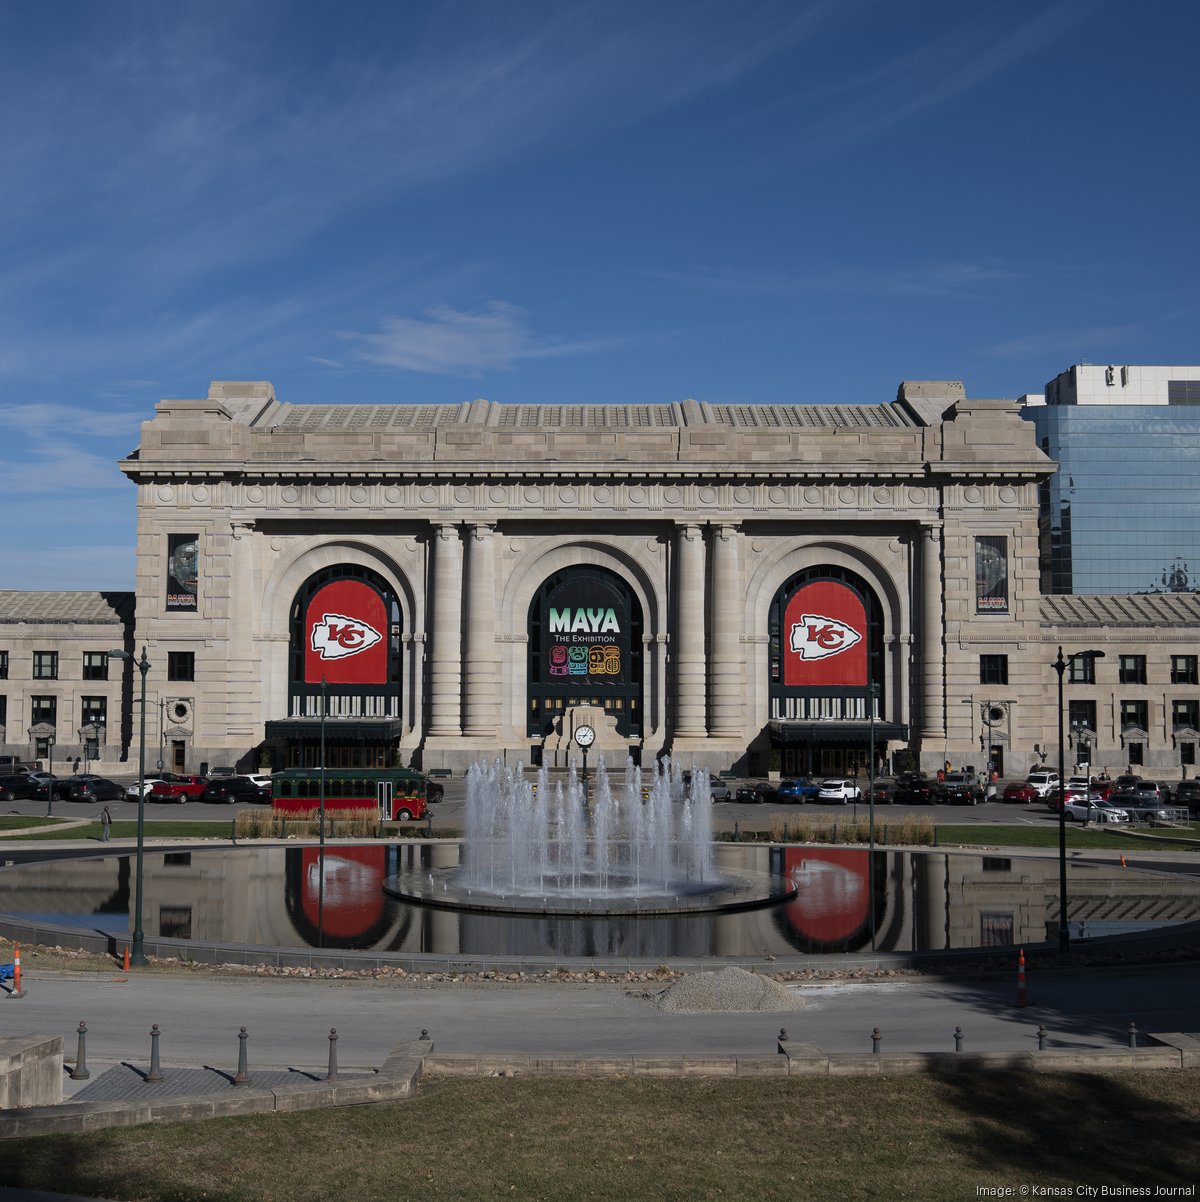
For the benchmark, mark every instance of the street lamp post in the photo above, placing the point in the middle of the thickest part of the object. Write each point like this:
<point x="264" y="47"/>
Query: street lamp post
<point x="50" y="774"/>
<point x="1064" y="932"/>
<point x="872" y="694"/>
<point x="324" y="711"/>
<point x="138" y="954"/>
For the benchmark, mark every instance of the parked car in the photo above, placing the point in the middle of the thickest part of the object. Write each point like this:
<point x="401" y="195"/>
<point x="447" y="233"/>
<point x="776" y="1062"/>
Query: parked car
<point x="957" y="788"/>
<point x="915" y="790"/>
<point x="1092" y="809"/>
<point x="1020" y="792"/>
<point x="1125" y="782"/>
<point x="718" y="789"/>
<point x="839" y="790"/>
<point x="181" y="789"/>
<point x="232" y="790"/>
<point x="757" y="791"/>
<point x="1044" y="783"/>
<point x="20" y="785"/>
<point x="1150" y="790"/>
<point x="94" y="788"/>
<point x="883" y="793"/>
<point x="1143" y="806"/>
<point x="801" y="790"/>
<point x="61" y="786"/>
<point x="435" y="791"/>
<point x="261" y="779"/>
<point x="1187" y="793"/>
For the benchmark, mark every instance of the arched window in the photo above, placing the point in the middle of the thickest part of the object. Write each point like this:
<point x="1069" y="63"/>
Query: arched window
<point x="585" y="648"/>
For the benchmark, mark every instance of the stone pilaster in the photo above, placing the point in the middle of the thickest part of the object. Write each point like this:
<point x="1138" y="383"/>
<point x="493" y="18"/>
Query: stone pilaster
<point x="445" y="661"/>
<point x="688" y="642"/>
<point x="727" y="672"/>
<point x="480" y="674"/>
<point x="933" y="655"/>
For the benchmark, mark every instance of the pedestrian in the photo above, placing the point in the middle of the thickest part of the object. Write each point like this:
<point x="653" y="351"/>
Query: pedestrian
<point x="77" y="765"/>
<point x="105" y="825"/>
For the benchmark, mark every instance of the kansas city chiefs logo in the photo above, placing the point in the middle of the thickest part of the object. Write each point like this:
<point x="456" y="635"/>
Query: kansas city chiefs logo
<point x="818" y="637"/>
<point x="336" y="636"/>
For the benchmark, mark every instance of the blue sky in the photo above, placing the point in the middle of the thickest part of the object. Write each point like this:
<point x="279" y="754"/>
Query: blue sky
<point x="566" y="202"/>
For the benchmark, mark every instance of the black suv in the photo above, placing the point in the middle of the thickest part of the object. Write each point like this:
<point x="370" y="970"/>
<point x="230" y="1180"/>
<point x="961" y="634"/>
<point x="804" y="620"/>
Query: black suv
<point x="12" y="787"/>
<point x="234" y="789"/>
<point x="1187" y="793"/>
<point x="914" y="790"/>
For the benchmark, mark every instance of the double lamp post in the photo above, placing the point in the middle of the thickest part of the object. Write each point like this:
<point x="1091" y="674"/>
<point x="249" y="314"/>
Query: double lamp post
<point x="137" y="954"/>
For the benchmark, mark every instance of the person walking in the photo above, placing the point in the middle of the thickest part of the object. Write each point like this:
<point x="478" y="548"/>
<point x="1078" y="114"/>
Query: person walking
<point x="105" y="825"/>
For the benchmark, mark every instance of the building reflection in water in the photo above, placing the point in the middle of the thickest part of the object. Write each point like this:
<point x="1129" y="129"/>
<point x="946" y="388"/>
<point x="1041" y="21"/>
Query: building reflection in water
<point x="291" y="897"/>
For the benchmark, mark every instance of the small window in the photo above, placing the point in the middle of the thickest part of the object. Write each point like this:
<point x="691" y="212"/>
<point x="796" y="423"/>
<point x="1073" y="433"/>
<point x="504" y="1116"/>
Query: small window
<point x="993" y="669"/>
<point x="1133" y="669"/>
<point x="3" y="711"/>
<point x="1184" y="670"/>
<point x="1185" y="713"/>
<point x="93" y="710"/>
<point x="43" y="709"/>
<point x="45" y="665"/>
<point x="1135" y="715"/>
<point x="1081" y="669"/>
<point x="1134" y="751"/>
<point x="1081" y="715"/>
<point x="95" y="665"/>
<point x="3" y="665"/>
<point x="995" y="929"/>
<point x="1187" y="753"/>
<point x="181" y="665"/>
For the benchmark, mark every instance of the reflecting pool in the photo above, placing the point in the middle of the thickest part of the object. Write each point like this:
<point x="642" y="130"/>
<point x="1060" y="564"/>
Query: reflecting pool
<point x="297" y="897"/>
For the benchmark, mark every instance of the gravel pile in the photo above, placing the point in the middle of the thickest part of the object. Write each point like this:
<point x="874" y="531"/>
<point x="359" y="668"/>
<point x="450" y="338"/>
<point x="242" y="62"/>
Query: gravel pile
<point x="727" y="991"/>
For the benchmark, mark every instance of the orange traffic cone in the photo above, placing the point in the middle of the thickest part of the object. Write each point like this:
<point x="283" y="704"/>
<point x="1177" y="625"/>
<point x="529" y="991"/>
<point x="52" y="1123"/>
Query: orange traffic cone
<point x="125" y="964"/>
<point x="1123" y="864"/>
<point x="16" y="970"/>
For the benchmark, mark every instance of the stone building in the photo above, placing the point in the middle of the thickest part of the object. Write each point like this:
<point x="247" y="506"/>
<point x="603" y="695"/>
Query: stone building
<point x="748" y="587"/>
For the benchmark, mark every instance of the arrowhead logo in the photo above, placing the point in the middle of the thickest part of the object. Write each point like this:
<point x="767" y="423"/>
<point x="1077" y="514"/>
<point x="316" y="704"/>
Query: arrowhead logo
<point x="336" y="636"/>
<point x="818" y="637"/>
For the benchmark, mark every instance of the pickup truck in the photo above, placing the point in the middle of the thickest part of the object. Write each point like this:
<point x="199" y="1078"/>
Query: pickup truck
<point x="13" y="765"/>
<point x="181" y="789"/>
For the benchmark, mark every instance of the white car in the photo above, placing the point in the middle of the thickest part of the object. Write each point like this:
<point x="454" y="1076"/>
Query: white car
<point x="1043" y="783"/>
<point x="1092" y="809"/>
<point x="131" y="789"/>
<point x="840" y="790"/>
<point x="261" y="779"/>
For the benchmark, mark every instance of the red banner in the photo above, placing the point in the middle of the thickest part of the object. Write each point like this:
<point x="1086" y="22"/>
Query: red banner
<point x="825" y="636"/>
<point x="346" y="635"/>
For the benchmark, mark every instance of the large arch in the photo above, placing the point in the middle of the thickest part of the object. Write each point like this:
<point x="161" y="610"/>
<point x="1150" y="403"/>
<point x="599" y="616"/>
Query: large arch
<point x="640" y="561"/>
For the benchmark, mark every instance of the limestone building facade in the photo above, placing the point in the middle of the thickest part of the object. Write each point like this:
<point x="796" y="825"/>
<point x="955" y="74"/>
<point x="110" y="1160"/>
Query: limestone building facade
<point x="749" y="587"/>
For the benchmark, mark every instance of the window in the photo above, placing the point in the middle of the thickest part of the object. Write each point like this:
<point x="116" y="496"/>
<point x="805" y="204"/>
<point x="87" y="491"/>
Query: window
<point x="1081" y="715"/>
<point x="3" y="711"/>
<point x="1135" y="715"/>
<point x="181" y="665"/>
<point x="45" y="665"/>
<point x="1185" y="713"/>
<point x="95" y="665"/>
<point x="991" y="575"/>
<point x="93" y="710"/>
<point x="1133" y="669"/>
<point x="1184" y="670"/>
<point x="993" y="669"/>
<point x="1187" y="753"/>
<point x="1081" y="669"/>
<point x="3" y="665"/>
<point x="43" y="709"/>
<point x="995" y="929"/>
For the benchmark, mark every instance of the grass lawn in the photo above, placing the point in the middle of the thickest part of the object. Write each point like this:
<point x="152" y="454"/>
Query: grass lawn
<point x="15" y="822"/>
<point x="1121" y="839"/>
<point x="899" y="1137"/>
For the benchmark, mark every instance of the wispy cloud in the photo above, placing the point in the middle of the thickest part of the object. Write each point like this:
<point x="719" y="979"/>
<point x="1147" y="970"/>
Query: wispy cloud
<point x="1066" y="345"/>
<point x="447" y="341"/>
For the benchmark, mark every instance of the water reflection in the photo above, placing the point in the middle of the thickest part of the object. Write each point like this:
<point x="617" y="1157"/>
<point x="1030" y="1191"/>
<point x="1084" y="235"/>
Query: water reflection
<point x="292" y="897"/>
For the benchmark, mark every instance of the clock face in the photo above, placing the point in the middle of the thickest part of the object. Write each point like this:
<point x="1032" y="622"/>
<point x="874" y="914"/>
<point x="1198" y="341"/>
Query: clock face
<point x="585" y="736"/>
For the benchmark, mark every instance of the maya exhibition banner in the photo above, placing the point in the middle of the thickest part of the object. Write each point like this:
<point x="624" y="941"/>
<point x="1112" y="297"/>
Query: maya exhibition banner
<point x="585" y="625"/>
<point x="346" y="635"/>
<point x="825" y="636"/>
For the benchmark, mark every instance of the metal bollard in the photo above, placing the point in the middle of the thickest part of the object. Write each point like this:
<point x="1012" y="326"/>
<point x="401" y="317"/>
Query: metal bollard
<point x="424" y="1034"/>
<point x="1041" y="1034"/>
<point x="155" y="1073"/>
<point x="780" y="1040"/>
<point x="243" y="1077"/>
<point x="737" y="833"/>
<point x="233" y="831"/>
<point x="332" y="1074"/>
<point x="958" y="1038"/>
<point x="1133" y="1035"/>
<point x="876" y="1039"/>
<point x="80" y="1071"/>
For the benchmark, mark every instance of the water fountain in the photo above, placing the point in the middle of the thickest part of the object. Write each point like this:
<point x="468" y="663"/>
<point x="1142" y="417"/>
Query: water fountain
<point x="533" y="845"/>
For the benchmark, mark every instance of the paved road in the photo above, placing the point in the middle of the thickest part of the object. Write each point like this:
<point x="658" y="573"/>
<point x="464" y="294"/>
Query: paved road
<point x="289" y="1019"/>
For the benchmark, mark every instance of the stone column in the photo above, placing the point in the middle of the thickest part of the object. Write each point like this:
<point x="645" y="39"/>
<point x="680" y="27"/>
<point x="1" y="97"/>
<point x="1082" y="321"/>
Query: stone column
<point x="933" y="656"/>
<point x="480" y="674"/>
<point x="445" y="659"/>
<point x="688" y="641"/>
<point x="727" y="675"/>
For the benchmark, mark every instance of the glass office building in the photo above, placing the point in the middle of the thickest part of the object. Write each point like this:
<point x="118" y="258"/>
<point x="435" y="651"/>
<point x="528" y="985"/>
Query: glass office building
<point x="1122" y="515"/>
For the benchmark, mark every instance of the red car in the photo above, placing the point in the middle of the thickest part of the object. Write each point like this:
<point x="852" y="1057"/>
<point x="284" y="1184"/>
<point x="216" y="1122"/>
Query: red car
<point x="1020" y="792"/>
